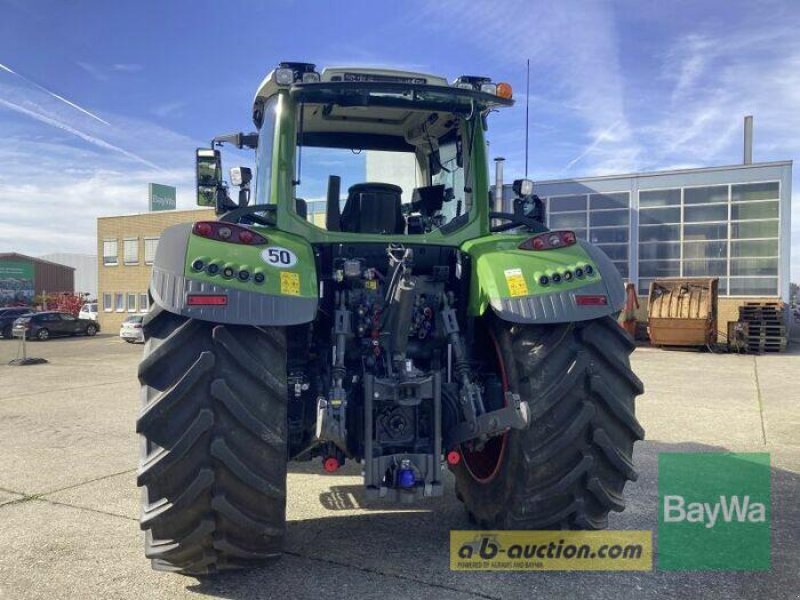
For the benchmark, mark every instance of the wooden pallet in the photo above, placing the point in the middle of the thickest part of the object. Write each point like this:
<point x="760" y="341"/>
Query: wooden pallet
<point x="763" y="328"/>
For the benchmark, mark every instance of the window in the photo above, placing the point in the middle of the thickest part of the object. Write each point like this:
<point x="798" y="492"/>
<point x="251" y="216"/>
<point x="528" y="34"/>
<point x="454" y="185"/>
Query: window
<point x="748" y="192"/>
<point x="107" y="305"/>
<point x="143" y="303"/>
<point x="607" y="201"/>
<point x="119" y="302"/>
<point x="728" y="231"/>
<point x="68" y="318"/>
<point x="131" y="302"/>
<point x="706" y="195"/>
<point x="110" y="251"/>
<point x="659" y="216"/>
<point x="567" y="203"/>
<point x="568" y="221"/>
<point x="754" y="210"/>
<point x="131" y="251"/>
<point x="659" y="198"/>
<point x="150" y="245"/>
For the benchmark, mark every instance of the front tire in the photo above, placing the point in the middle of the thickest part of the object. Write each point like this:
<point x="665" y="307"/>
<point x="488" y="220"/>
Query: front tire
<point x="91" y="330"/>
<point x="214" y="446"/>
<point x="43" y="334"/>
<point x="567" y="470"/>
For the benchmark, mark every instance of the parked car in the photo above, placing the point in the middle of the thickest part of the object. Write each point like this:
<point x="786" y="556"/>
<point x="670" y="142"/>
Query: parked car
<point x="8" y="316"/>
<point x="44" y="325"/>
<point x="131" y="329"/>
<point x="88" y="311"/>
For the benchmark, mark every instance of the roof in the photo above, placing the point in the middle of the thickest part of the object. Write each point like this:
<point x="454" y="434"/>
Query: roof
<point x="23" y="257"/>
<point x="158" y="213"/>
<point x="782" y="163"/>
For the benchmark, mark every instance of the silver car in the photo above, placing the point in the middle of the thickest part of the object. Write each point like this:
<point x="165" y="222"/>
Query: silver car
<point x="131" y="329"/>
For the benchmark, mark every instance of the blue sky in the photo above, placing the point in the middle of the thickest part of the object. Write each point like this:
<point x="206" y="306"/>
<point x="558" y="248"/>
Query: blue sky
<point x="99" y="98"/>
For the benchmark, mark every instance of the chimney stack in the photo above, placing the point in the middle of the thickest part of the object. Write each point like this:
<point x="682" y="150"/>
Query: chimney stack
<point x="748" y="140"/>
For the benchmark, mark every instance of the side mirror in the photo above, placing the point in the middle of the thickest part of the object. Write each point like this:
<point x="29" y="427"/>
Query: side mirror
<point x="208" y="166"/>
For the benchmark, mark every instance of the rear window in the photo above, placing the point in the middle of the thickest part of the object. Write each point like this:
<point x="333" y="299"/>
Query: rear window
<point x="90" y="307"/>
<point x="134" y="319"/>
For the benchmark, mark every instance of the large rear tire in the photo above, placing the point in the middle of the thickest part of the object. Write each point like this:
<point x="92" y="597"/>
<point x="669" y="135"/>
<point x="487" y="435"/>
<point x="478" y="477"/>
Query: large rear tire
<point x="214" y="435"/>
<point x="567" y="470"/>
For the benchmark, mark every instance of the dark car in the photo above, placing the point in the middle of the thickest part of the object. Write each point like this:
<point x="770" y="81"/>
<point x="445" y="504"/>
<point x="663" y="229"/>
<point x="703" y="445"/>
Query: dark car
<point x="7" y="317"/>
<point x="45" y="325"/>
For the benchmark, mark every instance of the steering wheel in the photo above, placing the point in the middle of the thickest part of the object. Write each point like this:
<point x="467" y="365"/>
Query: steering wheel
<point x="249" y="215"/>
<point x="516" y="221"/>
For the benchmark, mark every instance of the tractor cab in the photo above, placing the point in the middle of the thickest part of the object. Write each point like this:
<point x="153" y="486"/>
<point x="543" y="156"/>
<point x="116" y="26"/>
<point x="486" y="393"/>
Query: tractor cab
<point x="368" y="151"/>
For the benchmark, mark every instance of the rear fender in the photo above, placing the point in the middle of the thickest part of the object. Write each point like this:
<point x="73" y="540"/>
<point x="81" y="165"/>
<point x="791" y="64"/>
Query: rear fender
<point x="507" y="279"/>
<point x="287" y="296"/>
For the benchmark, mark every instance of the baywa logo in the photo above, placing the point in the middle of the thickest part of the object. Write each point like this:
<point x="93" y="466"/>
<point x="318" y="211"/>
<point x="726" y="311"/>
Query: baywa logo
<point x="729" y="509"/>
<point x="714" y="511"/>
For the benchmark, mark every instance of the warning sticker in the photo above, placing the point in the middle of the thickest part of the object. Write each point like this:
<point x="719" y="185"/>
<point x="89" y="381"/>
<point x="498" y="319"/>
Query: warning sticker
<point x="516" y="282"/>
<point x="290" y="283"/>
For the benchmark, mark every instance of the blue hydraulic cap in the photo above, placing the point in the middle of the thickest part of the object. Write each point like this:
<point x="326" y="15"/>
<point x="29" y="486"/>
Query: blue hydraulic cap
<point x="405" y="477"/>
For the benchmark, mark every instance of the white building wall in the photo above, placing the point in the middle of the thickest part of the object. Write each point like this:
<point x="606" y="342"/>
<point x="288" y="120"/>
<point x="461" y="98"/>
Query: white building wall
<point x="85" y="269"/>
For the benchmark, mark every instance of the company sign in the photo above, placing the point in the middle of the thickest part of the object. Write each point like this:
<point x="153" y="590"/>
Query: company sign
<point x="16" y="283"/>
<point x="714" y="511"/>
<point x="162" y="197"/>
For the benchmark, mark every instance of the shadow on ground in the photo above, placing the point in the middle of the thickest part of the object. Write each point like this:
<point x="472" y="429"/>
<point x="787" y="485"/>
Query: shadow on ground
<point x="405" y="554"/>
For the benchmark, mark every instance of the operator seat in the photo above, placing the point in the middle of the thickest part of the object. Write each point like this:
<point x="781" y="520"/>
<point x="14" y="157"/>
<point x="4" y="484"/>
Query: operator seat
<point x="373" y="208"/>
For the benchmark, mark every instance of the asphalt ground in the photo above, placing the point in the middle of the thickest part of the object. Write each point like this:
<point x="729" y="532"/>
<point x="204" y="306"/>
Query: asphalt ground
<point x="69" y="503"/>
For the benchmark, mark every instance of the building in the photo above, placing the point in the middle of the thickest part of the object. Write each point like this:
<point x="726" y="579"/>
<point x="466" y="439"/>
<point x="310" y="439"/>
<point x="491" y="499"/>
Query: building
<point x="126" y="247"/>
<point x="22" y="278"/>
<point x="728" y="222"/>
<point x="85" y="266"/>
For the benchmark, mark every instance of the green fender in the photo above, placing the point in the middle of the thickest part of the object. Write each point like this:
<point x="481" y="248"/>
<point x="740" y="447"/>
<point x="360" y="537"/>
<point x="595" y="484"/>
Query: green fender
<point x="509" y="280"/>
<point x="287" y="295"/>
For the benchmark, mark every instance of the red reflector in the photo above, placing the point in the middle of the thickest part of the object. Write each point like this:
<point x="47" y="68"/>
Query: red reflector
<point x="453" y="457"/>
<point x="591" y="300"/>
<point x="331" y="464"/>
<point x="206" y="300"/>
<point x="549" y="240"/>
<point x="203" y="228"/>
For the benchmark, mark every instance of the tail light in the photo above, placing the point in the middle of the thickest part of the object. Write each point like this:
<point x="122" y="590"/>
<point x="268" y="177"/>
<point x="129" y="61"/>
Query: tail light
<point x="206" y="300"/>
<point x="591" y="300"/>
<point x="228" y="232"/>
<point x="549" y="240"/>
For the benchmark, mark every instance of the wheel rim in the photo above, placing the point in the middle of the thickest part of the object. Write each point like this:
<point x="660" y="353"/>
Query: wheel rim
<point x="43" y="334"/>
<point x="484" y="465"/>
<point x="90" y="330"/>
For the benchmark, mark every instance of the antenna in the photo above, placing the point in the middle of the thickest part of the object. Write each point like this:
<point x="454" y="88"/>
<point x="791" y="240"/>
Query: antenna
<point x="527" y="112"/>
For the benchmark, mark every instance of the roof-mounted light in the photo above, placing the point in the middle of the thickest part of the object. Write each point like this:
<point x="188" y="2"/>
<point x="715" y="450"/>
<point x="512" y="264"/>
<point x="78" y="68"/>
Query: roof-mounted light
<point x="288" y="73"/>
<point x="284" y="76"/>
<point x="504" y="91"/>
<point x="489" y="88"/>
<point x="471" y="82"/>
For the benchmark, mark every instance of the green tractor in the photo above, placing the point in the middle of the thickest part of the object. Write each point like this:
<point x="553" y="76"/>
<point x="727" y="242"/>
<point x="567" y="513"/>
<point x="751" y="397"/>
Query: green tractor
<point x="412" y="328"/>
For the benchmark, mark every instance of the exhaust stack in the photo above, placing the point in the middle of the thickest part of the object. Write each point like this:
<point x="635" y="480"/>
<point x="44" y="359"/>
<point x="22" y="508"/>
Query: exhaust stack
<point x="748" y="140"/>
<point x="498" y="184"/>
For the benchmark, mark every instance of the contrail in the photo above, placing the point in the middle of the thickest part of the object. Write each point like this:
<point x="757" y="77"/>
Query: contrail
<point x="85" y="136"/>
<point x="54" y="95"/>
<point x="601" y="137"/>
